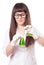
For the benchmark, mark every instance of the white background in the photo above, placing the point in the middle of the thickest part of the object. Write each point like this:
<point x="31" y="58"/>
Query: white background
<point x="36" y="8"/>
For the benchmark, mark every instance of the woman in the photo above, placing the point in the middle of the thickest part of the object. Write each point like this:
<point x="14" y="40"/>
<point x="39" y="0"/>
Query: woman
<point x="21" y="28"/>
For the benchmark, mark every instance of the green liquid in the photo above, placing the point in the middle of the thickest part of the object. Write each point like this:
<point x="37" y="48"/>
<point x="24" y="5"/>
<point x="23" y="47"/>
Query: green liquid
<point x="22" y="42"/>
<point x="29" y="34"/>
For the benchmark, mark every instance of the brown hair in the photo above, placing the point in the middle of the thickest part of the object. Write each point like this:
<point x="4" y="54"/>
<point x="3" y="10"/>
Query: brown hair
<point x="18" y="7"/>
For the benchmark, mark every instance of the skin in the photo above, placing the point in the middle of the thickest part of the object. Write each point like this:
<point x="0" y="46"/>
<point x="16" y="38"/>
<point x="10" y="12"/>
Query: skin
<point x="9" y="49"/>
<point x="20" y="22"/>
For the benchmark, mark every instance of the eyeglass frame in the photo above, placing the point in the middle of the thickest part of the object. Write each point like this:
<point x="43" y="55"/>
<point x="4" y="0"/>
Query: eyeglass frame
<point x="21" y="15"/>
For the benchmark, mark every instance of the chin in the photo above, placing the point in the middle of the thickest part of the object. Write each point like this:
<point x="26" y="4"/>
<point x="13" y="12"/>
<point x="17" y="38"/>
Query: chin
<point x="21" y="24"/>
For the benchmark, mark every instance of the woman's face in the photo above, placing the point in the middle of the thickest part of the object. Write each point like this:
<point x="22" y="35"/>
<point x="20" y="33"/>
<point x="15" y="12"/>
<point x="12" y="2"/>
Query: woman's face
<point x="20" y="18"/>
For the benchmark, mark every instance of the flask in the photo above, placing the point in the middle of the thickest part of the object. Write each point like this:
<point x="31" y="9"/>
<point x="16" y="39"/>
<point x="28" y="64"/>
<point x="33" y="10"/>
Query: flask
<point x="22" y="42"/>
<point x="29" y="39"/>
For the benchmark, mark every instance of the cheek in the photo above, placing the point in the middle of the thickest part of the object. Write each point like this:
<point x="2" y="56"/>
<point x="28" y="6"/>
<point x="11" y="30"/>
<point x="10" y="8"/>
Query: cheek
<point x="24" y="19"/>
<point x="20" y="20"/>
<point x="16" y="20"/>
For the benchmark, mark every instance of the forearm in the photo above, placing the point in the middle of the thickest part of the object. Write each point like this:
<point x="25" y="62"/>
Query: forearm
<point x="41" y="40"/>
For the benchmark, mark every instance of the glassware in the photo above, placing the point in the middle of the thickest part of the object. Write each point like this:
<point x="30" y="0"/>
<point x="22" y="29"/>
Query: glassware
<point x="22" y="42"/>
<point x="29" y="39"/>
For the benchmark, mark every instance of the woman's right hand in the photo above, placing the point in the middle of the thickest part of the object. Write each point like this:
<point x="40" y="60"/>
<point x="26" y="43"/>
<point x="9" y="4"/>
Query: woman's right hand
<point x="10" y="49"/>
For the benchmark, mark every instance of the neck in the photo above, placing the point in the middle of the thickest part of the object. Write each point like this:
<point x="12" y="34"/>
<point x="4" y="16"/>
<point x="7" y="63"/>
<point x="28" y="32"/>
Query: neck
<point x="21" y="30"/>
<point x="20" y="27"/>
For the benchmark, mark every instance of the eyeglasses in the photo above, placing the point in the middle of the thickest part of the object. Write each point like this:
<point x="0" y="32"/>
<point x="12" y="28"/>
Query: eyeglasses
<point x="20" y="15"/>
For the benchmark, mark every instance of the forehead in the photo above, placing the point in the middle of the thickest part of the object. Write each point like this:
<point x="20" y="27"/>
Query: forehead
<point x="20" y="13"/>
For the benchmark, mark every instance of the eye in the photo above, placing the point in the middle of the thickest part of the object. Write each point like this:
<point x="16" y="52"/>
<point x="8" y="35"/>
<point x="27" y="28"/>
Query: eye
<point x="21" y="15"/>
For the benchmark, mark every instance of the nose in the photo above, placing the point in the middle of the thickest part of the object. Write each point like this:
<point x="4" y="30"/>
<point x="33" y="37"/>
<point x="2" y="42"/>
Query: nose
<point x="20" y="17"/>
